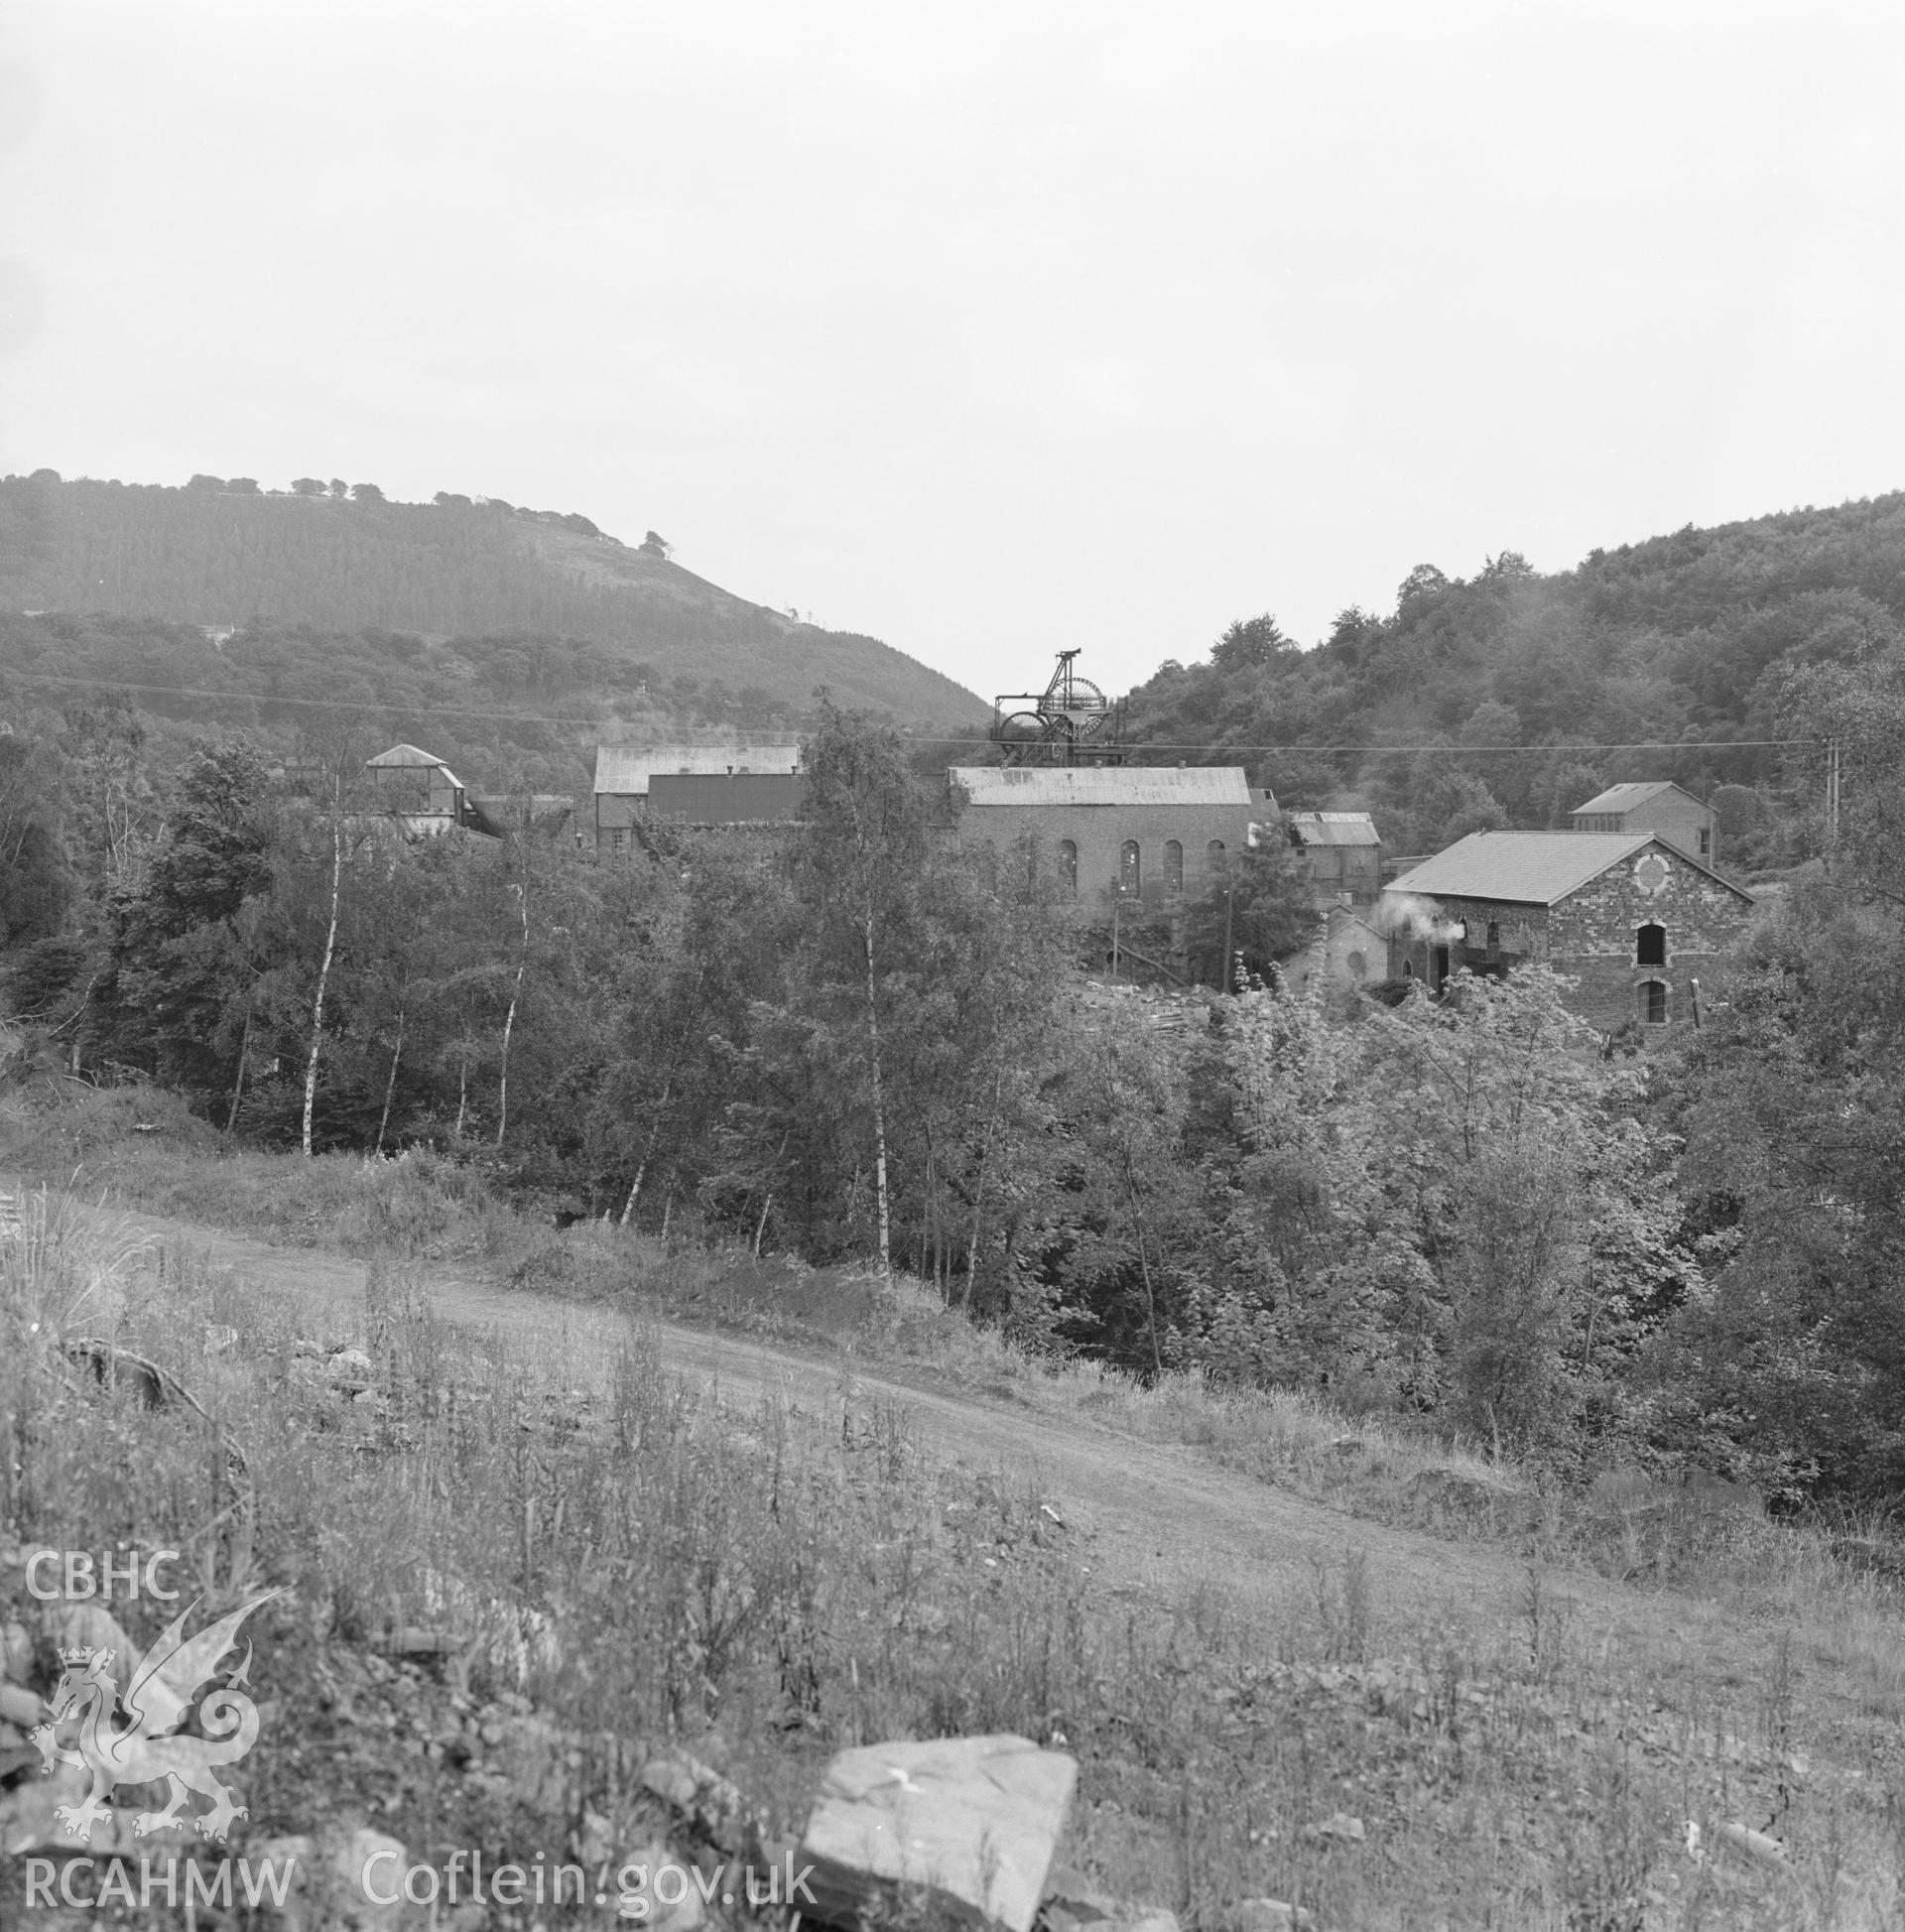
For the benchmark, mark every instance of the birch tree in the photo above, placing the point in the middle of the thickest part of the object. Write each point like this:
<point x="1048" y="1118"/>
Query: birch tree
<point x="860" y="857"/>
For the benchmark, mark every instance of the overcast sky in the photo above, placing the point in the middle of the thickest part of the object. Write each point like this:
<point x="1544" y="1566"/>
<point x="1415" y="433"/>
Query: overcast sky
<point x="986" y="328"/>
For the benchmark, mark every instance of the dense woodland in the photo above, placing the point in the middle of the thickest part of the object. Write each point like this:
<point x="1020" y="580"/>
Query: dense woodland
<point x="1682" y="642"/>
<point x="860" y="1041"/>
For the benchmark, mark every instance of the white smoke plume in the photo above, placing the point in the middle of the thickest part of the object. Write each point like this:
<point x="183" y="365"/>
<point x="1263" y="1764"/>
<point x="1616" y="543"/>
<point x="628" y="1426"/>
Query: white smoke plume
<point x="1418" y="918"/>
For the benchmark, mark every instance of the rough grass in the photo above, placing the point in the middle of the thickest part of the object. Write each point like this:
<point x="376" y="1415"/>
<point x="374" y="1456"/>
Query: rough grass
<point x="622" y="1559"/>
<point x="142" y="1148"/>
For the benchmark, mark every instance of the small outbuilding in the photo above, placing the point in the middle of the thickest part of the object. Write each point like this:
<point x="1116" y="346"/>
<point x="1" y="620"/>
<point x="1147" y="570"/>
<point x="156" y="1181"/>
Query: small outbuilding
<point x="1350" y="951"/>
<point x="1660" y="807"/>
<point x="1343" y="853"/>
<point x="420" y="791"/>
<point x="1633" y="919"/>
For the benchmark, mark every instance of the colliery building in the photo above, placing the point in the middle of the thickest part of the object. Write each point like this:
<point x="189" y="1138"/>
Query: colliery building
<point x="1660" y="807"/>
<point x="1342" y="852"/>
<point x="693" y="785"/>
<point x="1137" y="831"/>
<point x="1634" y="918"/>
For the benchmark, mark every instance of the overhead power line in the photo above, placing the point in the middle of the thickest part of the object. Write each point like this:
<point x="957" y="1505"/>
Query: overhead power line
<point x="552" y="717"/>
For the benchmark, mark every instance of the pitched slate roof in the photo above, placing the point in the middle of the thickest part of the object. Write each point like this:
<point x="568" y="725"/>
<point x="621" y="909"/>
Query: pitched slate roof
<point x="986" y="785"/>
<point x="1623" y="798"/>
<point x="624" y="770"/>
<point x="1534" y="868"/>
<point x="1334" y="828"/>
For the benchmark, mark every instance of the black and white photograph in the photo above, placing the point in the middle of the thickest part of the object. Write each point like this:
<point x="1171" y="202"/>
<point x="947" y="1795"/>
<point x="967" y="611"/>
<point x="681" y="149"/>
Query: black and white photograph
<point x="952" y="965"/>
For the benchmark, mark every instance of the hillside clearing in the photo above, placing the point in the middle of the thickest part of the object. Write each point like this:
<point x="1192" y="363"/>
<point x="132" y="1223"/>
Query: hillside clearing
<point x="1525" y="1743"/>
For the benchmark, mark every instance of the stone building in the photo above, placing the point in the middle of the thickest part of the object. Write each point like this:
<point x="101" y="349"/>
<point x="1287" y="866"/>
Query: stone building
<point x="1660" y="807"/>
<point x="1152" y="833"/>
<point x="693" y="785"/>
<point x="1632" y="917"/>
<point x="1343" y="853"/>
<point x="1350" y="949"/>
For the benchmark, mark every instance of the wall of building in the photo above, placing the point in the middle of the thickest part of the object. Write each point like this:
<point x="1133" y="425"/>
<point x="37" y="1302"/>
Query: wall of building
<point x="722" y="799"/>
<point x="698" y="799"/>
<point x="1347" y="952"/>
<point x="1099" y="833"/>
<point x="1591" y="936"/>
<point x="1677" y="819"/>
<point x="1338" y="869"/>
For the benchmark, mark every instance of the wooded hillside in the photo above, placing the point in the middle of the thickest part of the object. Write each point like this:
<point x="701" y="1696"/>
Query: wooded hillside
<point x="343" y="559"/>
<point x="1675" y="647"/>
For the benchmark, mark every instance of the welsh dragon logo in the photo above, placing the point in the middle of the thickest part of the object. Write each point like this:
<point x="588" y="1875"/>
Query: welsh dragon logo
<point x="158" y="1696"/>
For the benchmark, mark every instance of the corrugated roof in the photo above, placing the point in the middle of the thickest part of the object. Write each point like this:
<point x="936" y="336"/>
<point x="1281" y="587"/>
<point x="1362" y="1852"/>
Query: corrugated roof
<point x="625" y="769"/>
<point x="1623" y="798"/>
<point x="988" y="785"/>
<point x="1334" y="827"/>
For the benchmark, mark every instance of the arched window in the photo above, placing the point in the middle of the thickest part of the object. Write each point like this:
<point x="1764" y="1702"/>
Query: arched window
<point x="1173" y="866"/>
<point x="1494" y="936"/>
<point x="1408" y="968"/>
<point x="1130" y="870"/>
<point x="1653" y="1002"/>
<point x="1069" y="864"/>
<point x="1213" y="853"/>
<point x="1650" y="946"/>
<point x="1358" y="968"/>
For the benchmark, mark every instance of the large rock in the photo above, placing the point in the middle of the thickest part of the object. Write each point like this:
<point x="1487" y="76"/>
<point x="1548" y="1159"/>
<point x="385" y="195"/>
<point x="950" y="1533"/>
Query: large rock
<point x="30" y="1821"/>
<point x="1074" y="1904"/>
<point x="16" y="1653"/>
<point x="1272" y="1915"/>
<point x="970" y="1822"/>
<point x="20" y="1706"/>
<point x="90" y="1627"/>
<point x="326" y="1893"/>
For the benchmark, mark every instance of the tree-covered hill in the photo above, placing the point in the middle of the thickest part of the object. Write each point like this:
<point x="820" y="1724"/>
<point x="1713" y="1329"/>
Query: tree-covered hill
<point x="1682" y="642"/>
<point x="343" y="559"/>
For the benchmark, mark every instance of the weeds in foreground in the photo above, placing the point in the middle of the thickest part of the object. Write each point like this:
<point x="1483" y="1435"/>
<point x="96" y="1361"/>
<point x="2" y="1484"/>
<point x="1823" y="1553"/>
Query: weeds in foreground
<point x="622" y="1560"/>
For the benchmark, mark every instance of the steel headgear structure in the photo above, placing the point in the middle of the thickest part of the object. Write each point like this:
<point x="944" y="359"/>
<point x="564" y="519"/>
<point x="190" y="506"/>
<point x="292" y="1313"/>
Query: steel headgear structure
<point x="1071" y="721"/>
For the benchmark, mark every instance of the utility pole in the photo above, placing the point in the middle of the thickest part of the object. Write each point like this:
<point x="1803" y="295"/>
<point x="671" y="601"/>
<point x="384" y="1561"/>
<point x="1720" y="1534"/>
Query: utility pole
<point x="1118" y="906"/>
<point x="1229" y="958"/>
<point x="1831" y="796"/>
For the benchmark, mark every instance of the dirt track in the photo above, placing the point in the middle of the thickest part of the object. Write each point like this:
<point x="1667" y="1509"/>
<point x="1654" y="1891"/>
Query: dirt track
<point x="1154" y="1515"/>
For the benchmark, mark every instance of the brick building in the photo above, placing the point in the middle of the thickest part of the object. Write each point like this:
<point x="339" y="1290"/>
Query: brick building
<point x="1154" y="833"/>
<point x="1343" y="853"/>
<point x="1661" y="806"/>
<point x="693" y="785"/>
<point x="1630" y="916"/>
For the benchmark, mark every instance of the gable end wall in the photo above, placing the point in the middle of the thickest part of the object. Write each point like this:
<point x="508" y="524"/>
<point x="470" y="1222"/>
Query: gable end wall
<point x="1590" y="936"/>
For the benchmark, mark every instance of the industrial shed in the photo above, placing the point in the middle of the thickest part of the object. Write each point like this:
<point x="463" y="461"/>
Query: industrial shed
<point x="693" y="784"/>
<point x="1343" y="853"/>
<point x="1630" y="917"/>
<point x="1154" y="833"/>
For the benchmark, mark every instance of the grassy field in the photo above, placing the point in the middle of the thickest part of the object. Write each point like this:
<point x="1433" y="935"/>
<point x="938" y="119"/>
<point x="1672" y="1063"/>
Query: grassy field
<point x="625" y="1565"/>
